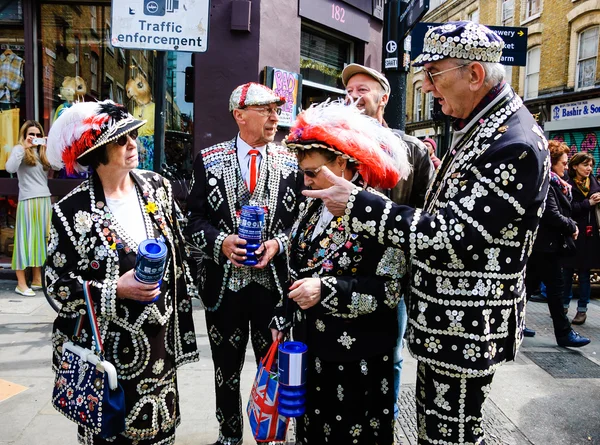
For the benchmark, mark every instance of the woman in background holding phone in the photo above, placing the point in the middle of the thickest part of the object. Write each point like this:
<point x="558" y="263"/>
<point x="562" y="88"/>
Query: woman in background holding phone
<point x="586" y="196"/>
<point x="28" y="160"/>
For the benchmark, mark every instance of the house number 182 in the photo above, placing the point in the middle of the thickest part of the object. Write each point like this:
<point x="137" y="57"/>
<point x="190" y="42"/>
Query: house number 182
<point x="337" y="13"/>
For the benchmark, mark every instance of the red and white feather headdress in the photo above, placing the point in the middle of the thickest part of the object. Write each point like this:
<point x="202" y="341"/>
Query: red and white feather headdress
<point x="380" y="155"/>
<point x="84" y="127"/>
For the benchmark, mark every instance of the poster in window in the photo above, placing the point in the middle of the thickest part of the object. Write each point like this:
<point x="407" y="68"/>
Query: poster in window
<point x="289" y="85"/>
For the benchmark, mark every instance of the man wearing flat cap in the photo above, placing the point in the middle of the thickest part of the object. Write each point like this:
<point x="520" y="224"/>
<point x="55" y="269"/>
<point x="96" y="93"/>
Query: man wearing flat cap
<point x="371" y="92"/>
<point x="471" y="242"/>
<point x="246" y="170"/>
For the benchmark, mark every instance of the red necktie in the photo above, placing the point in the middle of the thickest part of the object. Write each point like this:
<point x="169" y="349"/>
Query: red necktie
<point x="253" y="170"/>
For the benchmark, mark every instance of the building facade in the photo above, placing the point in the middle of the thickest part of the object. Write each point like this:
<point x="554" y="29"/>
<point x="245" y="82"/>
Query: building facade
<point x="560" y="84"/>
<point x="54" y="53"/>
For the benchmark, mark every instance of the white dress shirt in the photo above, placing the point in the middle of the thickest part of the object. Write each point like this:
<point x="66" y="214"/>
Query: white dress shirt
<point x="244" y="157"/>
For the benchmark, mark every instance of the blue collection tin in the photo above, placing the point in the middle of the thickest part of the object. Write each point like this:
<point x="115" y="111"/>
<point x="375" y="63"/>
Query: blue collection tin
<point x="151" y="261"/>
<point x="252" y="221"/>
<point x="293" y="365"/>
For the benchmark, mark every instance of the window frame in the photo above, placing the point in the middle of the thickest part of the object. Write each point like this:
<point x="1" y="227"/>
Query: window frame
<point x="417" y="105"/>
<point x="94" y="63"/>
<point x="529" y="73"/>
<point x="109" y="47"/>
<point x="111" y="81"/>
<point x="94" y="19"/>
<point x="505" y="20"/>
<point x="578" y="60"/>
<point x="429" y="104"/>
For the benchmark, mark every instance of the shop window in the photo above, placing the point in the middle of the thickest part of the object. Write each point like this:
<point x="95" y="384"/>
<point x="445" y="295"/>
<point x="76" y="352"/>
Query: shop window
<point x="532" y="73"/>
<point x="77" y="67"/>
<point x="12" y="64"/>
<point x="586" y="58"/>
<point x="323" y="57"/>
<point x="417" y="116"/>
<point x="429" y="106"/>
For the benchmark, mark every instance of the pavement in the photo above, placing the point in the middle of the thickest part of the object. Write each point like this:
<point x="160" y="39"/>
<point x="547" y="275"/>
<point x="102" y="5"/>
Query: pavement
<point x="547" y="396"/>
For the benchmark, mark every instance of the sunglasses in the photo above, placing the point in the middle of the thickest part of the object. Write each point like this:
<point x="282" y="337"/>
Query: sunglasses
<point x="122" y="140"/>
<point x="312" y="172"/>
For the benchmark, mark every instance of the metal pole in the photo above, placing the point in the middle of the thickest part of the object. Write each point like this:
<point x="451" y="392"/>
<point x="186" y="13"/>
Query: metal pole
<point x="160" y="91"/>
<point x="395" y="111"/>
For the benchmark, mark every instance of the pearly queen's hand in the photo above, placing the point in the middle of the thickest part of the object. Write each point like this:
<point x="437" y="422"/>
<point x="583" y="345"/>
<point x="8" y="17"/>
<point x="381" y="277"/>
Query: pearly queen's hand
<point x="306" y="292"/>
<point x="335" y="197"/>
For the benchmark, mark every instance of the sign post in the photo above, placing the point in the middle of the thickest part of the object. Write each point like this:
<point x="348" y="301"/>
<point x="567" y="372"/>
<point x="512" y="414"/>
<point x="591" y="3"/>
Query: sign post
<point x="161" y="25"/>
<point x="399" y="19"/>
<point x="515" y="42"/>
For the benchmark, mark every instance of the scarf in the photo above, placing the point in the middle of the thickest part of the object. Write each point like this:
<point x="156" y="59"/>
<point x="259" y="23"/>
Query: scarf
<point x="563" y="185"/>
<point x="583" y="185"/>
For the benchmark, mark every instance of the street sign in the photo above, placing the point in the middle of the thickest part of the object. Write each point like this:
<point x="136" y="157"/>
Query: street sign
<point x="412" y="14"/>
<point x="164" y="25"/>
<point x="391" y="46"/>
<point x="391" y="62"/>
<point x="515" y="42"/>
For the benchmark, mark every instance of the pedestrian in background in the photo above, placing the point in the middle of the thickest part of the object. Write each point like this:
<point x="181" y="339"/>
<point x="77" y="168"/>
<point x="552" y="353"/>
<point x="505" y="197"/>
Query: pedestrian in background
<point x="370" y="91"/>
<point x="247" y="170"/>
<point x="29" y="162"/>
<point x="586" y="196"/>
<point x="432" y="148"/>
<point x="556" y="236"/>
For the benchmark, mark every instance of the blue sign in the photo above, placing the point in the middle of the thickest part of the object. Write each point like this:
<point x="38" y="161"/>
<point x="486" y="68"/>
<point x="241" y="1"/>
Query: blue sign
<point x="515" y="42"/>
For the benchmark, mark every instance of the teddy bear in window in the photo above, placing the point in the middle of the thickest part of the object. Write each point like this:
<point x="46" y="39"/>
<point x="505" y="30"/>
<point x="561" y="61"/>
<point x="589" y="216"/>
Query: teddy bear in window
<point x="73" y="89"/>
<point x="138" y="89"/>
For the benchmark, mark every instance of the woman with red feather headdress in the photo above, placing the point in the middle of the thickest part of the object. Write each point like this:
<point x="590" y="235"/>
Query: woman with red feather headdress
<point x="345" y="287"/>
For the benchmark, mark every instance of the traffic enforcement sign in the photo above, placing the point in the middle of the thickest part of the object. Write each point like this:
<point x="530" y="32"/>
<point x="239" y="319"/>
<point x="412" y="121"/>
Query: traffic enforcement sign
<point x="515" y="42"/>
<point x="164" y="25"/>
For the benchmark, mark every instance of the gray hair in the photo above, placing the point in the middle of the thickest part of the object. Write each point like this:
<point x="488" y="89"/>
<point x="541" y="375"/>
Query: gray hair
<point x="494" y="73"/>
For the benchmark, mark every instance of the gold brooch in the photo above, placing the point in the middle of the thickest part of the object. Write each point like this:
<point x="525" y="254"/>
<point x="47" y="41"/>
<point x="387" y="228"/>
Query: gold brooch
<point x="503" y="129"/>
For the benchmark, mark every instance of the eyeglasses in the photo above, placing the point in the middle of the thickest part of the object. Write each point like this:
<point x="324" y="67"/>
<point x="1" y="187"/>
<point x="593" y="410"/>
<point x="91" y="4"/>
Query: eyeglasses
<point x="266" y="112"/>
<point x="122" y="140"/>
<point x="312" y="172"/>
<point x="431" y="75"/>
<point x="35" y="135"/>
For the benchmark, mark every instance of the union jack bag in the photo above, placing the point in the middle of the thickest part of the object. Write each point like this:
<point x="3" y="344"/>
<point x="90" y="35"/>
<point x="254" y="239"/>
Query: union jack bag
<point x="266" y="423"/>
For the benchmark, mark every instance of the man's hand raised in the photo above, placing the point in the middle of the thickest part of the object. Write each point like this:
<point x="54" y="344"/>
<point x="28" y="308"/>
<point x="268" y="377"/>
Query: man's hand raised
<point x="336" y="196"/>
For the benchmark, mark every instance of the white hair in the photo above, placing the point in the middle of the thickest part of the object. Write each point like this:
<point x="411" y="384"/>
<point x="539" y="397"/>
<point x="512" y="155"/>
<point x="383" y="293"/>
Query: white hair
<point x="494" y="73"/>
